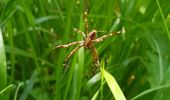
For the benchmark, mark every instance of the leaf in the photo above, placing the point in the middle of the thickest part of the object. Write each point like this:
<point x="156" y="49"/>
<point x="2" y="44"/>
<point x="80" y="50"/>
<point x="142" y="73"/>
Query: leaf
<point x="5" y="89"/>
<point x="150" y="90"/>
<point x="29" y="86"/>
<point x="44" y="19"/>
<point x="95" y="95"/>
<point x="3" y="71"/>
<point x="114" y="87"/>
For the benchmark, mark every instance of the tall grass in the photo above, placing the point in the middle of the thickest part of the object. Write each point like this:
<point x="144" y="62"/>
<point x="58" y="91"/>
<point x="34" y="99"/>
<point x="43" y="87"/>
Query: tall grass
<point x="3" y="73"/>
<point x="139" y="59"/>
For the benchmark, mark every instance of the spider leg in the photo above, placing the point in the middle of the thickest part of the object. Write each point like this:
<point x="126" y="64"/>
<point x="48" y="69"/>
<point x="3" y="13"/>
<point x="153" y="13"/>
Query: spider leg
<point x="95" y="56"/>
<point x="70" y="44"/>
<point x="72" y="52"/>
<point x="106" y="36"/>
<point x="79" y="31"/>
<point x="86" y="22"/>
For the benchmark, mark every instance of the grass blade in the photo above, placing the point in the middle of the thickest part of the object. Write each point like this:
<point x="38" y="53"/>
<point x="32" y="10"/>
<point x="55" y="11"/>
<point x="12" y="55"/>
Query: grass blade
<point x="3" y="71"/>
<point x="150" y="90"/>
<point x="16" y="92"/>
<point x="114" y="87"/>
<point x="10" y="86"/>
<point x="95" y="95"/>
<point x="166" y="27"/>
<point x="29" y="86"/>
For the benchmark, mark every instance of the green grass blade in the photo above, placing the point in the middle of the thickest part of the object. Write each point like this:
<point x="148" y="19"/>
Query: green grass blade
<point x="160" y="59"/>
<point x="29" y="86"/>
<point x="16" y="92"/>
<point x="78" y="70"/>
<point x="102" y="80"/>
<point x="149" y="91"/>
<point x="95" y="95"/>
<point x="44" y="19"/>
<point x="114" y="87"/>
<point x="166" y="27"/>
<point x="8" y="87"/>
<point x="3" y="71"/>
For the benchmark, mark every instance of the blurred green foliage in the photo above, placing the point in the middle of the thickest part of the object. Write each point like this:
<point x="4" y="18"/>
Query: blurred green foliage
<point x="139" y="59"/>
<point x="3" y="73"/>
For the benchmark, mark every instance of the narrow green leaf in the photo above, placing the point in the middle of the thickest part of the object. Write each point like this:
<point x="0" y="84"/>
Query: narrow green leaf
<point x="114" y="87"/>
<point x="29" y="86"/>
<point x="166" y="27"/>
<point x="5" y="89"/>
<point x="3" y="71"/>
<point x="16" y="92"/>
<point x="150" y="90"/>
<point x="44" y="19"/>
<point x="102" y="80"/>
<point x="95" y="95"/>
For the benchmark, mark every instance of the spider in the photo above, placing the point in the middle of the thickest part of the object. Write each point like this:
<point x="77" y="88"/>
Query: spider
<point x="88" y="42"/>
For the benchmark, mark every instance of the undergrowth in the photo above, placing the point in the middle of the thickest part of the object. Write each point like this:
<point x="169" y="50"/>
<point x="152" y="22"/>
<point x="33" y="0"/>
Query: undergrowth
<point x="138" y="60"/>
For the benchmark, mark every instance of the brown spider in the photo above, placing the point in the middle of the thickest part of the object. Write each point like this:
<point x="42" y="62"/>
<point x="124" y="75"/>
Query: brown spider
<point x="88" y="42"/>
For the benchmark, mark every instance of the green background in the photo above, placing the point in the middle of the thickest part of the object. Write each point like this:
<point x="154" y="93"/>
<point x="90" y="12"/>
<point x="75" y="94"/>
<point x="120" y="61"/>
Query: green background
<point x="139" y="59"/>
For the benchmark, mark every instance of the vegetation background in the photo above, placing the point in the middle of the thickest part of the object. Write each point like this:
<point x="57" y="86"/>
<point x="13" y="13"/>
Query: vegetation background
<point x="139" y="59"/>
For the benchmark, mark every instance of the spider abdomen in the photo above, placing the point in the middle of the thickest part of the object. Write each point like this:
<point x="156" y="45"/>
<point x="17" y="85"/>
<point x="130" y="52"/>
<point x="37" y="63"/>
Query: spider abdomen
<point x="92" y="35"/>
<point x="89" y="40"/>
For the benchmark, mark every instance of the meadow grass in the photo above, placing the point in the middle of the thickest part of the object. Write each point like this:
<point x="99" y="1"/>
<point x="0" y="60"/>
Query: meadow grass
<point x="139" y="59"/>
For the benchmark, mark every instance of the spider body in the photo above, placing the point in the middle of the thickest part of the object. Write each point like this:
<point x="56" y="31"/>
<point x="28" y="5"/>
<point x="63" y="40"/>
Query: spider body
<point x="88" y="42"/>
